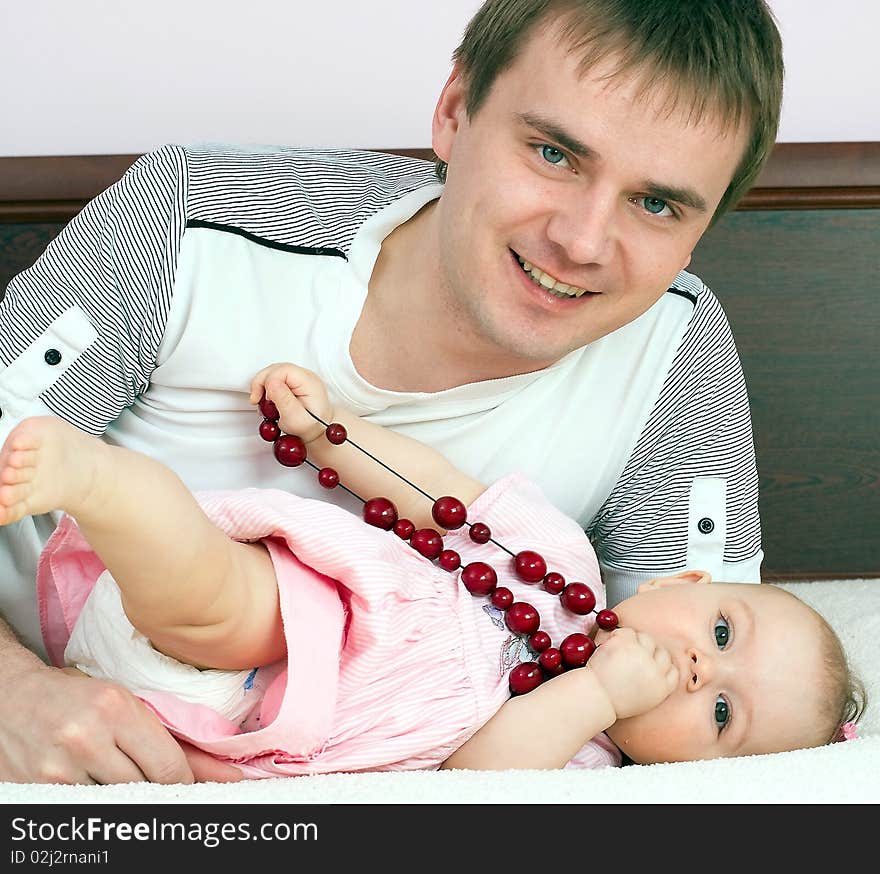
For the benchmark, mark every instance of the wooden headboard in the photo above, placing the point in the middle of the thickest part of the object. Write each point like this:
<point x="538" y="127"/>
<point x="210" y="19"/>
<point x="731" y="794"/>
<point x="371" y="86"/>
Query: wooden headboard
<point x="796" y="267"/>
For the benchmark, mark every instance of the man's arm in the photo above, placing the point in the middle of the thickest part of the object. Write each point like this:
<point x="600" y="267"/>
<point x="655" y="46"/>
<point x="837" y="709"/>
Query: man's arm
<point x="688" y="496"/>
<point x="61" y="727"/>
<point x="79" y="331"/>
<point x="99" y="296"/>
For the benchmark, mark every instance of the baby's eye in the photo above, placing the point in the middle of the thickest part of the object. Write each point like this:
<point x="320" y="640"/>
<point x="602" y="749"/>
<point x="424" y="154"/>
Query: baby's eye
<point x="656" y="206"/>
<point x="722" y="713"/>
<point x="552" y="155"/>
<point x="722" y="632"/>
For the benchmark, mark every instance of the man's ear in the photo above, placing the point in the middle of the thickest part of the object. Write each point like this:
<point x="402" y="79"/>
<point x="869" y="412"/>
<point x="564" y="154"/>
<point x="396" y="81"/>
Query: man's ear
<point x="449" y="115"/>
<point x="679" y="579"/>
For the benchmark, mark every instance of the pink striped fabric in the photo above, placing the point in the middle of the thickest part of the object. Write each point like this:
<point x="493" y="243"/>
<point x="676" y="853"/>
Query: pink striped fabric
<point x="392" y="664"/>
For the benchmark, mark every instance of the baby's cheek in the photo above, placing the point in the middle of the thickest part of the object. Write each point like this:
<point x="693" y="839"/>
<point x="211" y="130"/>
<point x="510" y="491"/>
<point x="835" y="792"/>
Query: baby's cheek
<point x="664" y="734"/>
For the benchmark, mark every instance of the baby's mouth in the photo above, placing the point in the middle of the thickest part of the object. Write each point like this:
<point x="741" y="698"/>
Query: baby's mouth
<point x="550" y="283"/>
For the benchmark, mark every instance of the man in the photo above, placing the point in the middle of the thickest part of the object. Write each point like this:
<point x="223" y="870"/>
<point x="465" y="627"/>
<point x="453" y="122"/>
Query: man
<point x="528" y="313"/>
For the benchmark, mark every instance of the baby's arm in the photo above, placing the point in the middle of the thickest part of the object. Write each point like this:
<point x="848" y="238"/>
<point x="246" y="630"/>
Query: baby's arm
<point x="627" y="675"/>
<point x="297" y="392"/>
<point x="543" y="729"/>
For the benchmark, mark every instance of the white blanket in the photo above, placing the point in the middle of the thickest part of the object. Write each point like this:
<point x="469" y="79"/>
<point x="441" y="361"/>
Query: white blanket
<point x="840" y="773"/>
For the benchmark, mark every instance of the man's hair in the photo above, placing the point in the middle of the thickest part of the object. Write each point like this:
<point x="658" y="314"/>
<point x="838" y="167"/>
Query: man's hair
<point x="723" y="57"/>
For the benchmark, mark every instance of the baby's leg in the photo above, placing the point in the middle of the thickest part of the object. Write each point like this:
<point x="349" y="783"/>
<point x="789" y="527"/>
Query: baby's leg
<point x="198" y="595"/>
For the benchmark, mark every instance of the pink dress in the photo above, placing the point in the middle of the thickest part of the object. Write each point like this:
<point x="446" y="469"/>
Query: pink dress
<point x="392" y="664"/>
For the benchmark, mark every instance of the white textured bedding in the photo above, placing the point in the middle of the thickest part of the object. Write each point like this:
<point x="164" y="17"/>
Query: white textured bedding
<point x="841" y="773"/>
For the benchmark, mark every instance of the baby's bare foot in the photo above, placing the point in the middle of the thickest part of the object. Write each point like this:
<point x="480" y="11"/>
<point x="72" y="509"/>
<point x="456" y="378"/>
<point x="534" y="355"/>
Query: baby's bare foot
<point x="46" y="464"/>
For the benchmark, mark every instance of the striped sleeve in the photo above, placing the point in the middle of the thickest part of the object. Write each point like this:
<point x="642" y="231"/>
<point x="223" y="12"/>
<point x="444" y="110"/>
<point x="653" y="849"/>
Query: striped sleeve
<point x="114" y="264"/>
<point x="102" y="289"/>
<point x="700" y="426"/>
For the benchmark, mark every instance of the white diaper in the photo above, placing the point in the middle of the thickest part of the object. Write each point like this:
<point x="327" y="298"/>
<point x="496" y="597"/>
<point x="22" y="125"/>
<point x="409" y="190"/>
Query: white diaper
<point x="104" y="644"/>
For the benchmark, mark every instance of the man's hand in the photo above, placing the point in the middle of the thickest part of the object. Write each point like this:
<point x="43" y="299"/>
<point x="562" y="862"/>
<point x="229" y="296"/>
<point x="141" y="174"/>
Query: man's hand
<point x="297" y="393"/>
<point x="207" y="769"/>
<point x="60" y="726"/>
<point x="636" y="673"/>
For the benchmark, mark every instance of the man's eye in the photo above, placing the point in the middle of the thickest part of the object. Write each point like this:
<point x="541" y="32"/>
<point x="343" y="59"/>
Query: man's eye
<point x="655" y="205"/>
<point x="552" y="155"/>
<point x="722" y="632"/>
<point x="722" y="712"/>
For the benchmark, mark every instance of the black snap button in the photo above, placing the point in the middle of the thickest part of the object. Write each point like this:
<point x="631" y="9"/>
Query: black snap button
<point x="52" y="356"/>
<point x="706" y="525"/>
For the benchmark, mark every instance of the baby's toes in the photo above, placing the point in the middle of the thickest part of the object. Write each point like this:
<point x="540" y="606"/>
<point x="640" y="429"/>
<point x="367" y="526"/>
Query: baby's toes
<point x="22" y="459"/>
<point x="12" y="506"/>
<point x="10" y="476"/>
<point x="26" y="436"/>
<point x="15" y="475"/>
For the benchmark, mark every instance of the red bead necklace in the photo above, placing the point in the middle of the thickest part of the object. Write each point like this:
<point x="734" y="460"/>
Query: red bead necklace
<point x="478" y="577"/>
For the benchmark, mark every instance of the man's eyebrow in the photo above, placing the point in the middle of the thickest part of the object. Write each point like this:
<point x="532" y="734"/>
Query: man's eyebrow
<point x="554" y="132"/>
<point x="684" y="196"/>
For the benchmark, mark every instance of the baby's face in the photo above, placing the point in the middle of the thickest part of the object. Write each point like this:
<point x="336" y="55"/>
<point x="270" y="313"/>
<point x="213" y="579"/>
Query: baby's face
<point x="750" y="665"/>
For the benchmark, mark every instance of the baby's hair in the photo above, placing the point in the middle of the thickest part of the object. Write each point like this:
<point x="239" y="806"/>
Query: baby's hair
<point x="843" y="697"/>
<point x="846" y="699"/>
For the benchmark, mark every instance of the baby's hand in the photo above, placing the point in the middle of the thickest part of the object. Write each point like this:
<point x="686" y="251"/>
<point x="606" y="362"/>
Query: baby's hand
<point x="296" y="392"/>
<point x="636" y="673"/>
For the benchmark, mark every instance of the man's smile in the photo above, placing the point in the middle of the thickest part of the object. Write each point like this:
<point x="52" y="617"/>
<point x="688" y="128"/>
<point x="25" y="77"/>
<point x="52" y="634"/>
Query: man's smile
<point x="550" y="283"/>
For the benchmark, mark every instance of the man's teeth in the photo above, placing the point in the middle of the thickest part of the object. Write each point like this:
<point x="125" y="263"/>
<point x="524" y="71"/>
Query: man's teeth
<point x="550" y="283"/>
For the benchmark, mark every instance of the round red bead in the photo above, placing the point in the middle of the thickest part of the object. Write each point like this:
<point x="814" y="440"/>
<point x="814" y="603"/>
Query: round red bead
<point x="290" y="450"/>
<point x="502" y="598"/>
<point x="480" y="578"/>
<point x="480" y="533"/>
<point x="579" y="598"/>
<point x="525" y="677"/>
<point x="539" y="641"/>
<point x="328" y="477"/>
<point x="551" y="661"/>
<point x="269" y="430"/>
<point x="268" y="409"/>
<point x="607" y="620"/>
<point x="449" y="512"/>
<point x="529" y="566"/>
<point x="554" y="583"/>
<point x="576" y="649"/>
<point x="336" y="433"/>
<point x="380" y="512"/>
<point x="449" y="560"/>
<point x="522" y="618"/>
<point x="428" y="542"/>
<point x="404" y="529"/>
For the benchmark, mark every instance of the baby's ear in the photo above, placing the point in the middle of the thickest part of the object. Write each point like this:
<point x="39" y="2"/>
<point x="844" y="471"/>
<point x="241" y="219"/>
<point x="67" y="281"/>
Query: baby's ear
<point x="682" y="578"/>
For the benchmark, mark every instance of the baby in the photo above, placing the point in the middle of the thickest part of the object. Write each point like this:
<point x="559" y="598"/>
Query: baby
<point x="288" y="636"/>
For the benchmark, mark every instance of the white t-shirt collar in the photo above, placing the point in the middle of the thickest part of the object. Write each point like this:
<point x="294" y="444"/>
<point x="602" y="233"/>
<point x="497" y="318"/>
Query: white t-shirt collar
<point x="353" y="389"/>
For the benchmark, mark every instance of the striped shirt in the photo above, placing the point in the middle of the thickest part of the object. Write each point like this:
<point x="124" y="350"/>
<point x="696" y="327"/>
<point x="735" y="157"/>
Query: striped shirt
<point x="644" y="436"/>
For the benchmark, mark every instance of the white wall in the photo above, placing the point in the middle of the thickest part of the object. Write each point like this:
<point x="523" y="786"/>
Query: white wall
<point x="116" y="76"/>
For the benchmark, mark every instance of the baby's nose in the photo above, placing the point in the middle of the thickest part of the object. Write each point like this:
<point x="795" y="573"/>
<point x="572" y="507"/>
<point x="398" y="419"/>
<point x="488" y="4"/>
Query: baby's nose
<point x="700" y="668"/>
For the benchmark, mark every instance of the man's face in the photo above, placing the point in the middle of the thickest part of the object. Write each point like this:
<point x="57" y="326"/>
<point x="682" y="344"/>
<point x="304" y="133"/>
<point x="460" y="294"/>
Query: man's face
<point x="749" y="664"/>
<point x="600" y="190"/>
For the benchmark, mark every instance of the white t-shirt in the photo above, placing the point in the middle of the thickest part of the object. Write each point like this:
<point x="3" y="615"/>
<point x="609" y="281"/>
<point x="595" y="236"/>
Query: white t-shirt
<point x="166" y="294"/>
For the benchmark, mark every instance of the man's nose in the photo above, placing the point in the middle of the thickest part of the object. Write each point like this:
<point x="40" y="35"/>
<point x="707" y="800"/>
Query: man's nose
<point x="583" y="226"/>
<point x="701" y="668"/>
